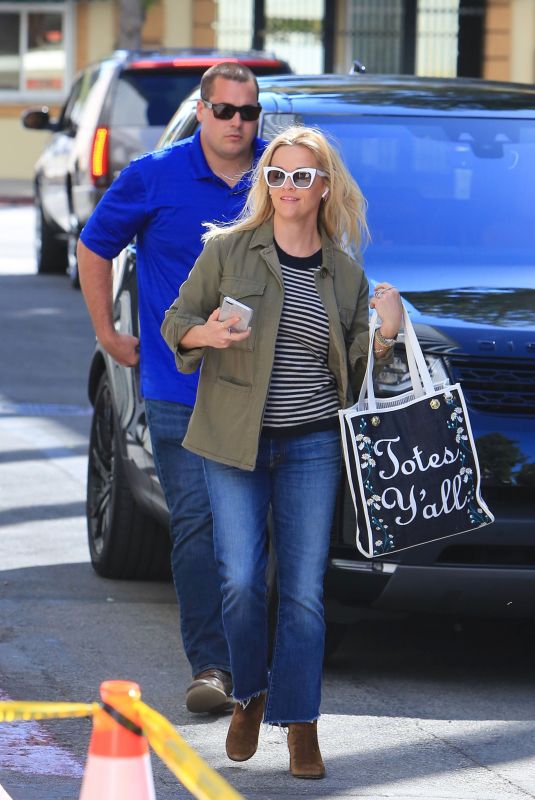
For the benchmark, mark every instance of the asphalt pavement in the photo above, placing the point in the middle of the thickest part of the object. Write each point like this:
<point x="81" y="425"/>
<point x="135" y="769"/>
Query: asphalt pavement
<point x="413" y="709"/>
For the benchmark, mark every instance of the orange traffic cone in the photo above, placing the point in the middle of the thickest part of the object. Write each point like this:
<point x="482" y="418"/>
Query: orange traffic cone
<point x="118" y="762"/>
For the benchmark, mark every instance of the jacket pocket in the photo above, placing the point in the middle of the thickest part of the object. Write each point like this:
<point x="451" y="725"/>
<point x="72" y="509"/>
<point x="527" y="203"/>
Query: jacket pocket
<point x="249" y="292"/>
<point x="229" y="383"/>
<point x="346" y="317"/>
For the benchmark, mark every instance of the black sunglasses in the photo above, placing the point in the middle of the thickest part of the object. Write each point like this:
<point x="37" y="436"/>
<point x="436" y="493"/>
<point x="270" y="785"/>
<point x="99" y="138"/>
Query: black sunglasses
<point x="227" y="111"/>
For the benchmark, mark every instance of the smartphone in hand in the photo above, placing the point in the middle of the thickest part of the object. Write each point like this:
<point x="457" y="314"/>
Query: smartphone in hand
<point x="233" y="308"/>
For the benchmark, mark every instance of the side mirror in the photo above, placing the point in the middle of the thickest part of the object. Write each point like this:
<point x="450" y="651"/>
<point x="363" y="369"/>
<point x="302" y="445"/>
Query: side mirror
<point x="37" y="119"/>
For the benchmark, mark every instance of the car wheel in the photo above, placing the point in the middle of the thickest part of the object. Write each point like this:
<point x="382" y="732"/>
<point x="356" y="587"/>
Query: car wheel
<point x="50" y="252"/>
<point x="124" y="541"/>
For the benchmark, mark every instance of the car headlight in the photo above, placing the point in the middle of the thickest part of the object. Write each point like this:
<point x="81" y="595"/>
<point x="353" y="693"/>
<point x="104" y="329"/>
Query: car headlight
<point x="395" y="378"/>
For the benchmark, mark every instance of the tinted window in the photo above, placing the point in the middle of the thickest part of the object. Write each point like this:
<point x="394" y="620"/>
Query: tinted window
<point x="442" y="189"/>
<point x="77" y="100"/>
<point x="150" y="98"/>
<point x="72" y="100"/>
<point x="282" y="69"/>
<point x="184" y="123"/>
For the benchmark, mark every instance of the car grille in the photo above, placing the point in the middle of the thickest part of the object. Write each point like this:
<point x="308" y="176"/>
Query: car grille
<point x="495" y="387"/>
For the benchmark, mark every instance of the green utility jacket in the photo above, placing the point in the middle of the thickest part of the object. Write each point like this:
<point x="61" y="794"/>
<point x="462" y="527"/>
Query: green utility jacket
<point x="227" y="419"/>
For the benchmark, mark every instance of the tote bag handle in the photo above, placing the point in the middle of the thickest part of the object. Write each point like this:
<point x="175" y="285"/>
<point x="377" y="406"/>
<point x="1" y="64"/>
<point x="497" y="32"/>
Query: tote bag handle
<point x="420" y="376"/>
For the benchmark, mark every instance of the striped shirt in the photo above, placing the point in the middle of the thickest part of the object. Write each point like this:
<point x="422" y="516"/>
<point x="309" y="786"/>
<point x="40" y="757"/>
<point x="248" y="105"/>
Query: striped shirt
<point x="302" y="390"/>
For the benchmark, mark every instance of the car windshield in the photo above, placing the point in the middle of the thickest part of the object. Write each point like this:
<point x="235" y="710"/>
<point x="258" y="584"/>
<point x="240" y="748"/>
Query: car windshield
<point x="442" y="188"/>
<point x="150" y="97"/>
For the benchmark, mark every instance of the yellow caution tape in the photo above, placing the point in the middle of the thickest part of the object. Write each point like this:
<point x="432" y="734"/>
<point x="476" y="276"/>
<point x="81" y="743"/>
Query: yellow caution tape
<point x="191" y="770"/>
<point x="194" y="773"/>
<point x="22" y="710"/>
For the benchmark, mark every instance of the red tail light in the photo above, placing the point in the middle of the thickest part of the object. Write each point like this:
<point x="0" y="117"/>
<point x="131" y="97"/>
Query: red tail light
<point x="99" y="155"/>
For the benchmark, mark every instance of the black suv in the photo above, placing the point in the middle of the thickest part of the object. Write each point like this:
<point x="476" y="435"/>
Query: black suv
<point x="448" y="169"/>
<point x="116" y="110"/>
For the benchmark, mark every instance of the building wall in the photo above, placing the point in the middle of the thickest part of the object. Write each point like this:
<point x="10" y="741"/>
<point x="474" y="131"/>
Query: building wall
<point x="510" y="41"/>
<point x="342" y="59"/>
<point x="509" y="31"/>
<point x="97" y="37"/>
<point x="203" y="19"/>
<point x="152" y="35"/>
<point x="178" y="23"/>
<point x="19" y="148"/>
<point x="509" y="54"/>
<point x="522" y="61"/>
<point x="498" y="40"/>
<point x="169" y="23"/>
<point x="94" y="34"/>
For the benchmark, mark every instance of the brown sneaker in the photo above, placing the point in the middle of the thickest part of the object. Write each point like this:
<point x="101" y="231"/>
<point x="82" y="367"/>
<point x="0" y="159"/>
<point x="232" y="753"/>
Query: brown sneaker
<point x="305" y="755"/>
<point x="242" y="736"/>
<point x="210" y="692"/>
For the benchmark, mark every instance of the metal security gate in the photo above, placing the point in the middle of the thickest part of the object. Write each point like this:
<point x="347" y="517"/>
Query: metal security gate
<point x="442" y="38"/>
<point x="294" y="30"/>
<point x="437" y="38"/>
<point x="300" y="31"/>
<point x="379" y="34"/>
<point x="471" y="38"/>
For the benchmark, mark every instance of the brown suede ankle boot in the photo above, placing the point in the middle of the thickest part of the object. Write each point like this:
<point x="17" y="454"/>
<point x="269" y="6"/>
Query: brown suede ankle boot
<point x="305" y="756"/>
<point x="242" y="736"/>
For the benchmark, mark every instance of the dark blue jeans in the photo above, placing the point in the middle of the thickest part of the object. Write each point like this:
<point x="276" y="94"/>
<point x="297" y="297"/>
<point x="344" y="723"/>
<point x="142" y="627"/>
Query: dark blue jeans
<point x="299" y="476"/>
<point x="195" y="573"/>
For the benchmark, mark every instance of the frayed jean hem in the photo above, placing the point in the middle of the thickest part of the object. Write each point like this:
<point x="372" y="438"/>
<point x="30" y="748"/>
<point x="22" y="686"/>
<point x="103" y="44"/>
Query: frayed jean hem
<point x="246" y="700"/>
<point x="277" y="724"/>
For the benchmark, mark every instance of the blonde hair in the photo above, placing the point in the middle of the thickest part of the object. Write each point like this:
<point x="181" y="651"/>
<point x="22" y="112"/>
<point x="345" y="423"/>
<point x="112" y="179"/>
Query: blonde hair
<point x="343" y="212"/>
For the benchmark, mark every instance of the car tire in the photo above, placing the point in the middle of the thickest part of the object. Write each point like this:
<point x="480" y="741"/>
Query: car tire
<point x="50" y="252"/>
<point x="124" y="541"/>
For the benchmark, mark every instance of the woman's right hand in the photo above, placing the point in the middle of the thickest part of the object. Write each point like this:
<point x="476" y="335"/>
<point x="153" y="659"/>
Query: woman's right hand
<point x="214" y="333"/>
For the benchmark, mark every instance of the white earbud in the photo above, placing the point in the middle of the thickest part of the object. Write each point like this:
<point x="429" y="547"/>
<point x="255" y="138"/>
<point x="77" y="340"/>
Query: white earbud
<point x="325" y="193"/>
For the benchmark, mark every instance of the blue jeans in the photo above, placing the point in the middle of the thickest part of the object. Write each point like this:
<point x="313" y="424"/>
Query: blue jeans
<point x="299" y="477"/>
<point x="195" y="573"/>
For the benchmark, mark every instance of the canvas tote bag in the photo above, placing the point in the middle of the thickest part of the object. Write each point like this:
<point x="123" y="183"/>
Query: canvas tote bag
<point x="411" y="461"/>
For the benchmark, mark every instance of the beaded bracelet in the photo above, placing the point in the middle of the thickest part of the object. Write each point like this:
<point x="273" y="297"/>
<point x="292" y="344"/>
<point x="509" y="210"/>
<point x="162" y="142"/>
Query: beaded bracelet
<point x="386" y="341"/>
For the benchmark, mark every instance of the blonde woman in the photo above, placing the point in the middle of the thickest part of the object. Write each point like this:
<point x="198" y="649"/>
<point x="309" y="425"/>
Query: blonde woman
<point x="265" y="420"/>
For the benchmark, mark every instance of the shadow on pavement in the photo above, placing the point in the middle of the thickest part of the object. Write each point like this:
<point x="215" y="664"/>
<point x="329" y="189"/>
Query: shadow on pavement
<point x="435" y="668"/>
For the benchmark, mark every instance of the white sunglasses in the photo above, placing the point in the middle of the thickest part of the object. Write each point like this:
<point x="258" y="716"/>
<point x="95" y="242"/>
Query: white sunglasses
<point x="302" y="178"/>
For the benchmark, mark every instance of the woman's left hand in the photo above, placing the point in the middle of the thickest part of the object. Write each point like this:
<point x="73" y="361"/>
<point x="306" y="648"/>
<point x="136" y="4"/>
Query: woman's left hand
<point x="387" y="302"/>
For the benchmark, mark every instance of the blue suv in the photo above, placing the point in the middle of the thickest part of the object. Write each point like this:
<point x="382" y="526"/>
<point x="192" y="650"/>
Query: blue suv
<point x="448" y="169"/>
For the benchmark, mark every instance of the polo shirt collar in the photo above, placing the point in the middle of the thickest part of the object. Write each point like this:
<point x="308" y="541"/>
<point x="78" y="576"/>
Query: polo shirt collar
<point x="199" y="165"/>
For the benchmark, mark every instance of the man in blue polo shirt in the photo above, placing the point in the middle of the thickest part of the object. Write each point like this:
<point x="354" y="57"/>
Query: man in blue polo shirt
<point x="163" y="198"/>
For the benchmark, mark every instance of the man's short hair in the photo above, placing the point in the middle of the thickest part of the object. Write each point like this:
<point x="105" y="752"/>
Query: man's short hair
<point x="230" y="71"/>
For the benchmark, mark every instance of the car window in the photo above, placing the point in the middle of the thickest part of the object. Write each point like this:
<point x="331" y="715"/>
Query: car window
<point x="276" y="69"/>
<point x="71" y="102"/>
<point x="442" y="188"/>
<point x="77" y="100"/>
<point x="150" y="98"/>
<point x="183" y="124"/>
